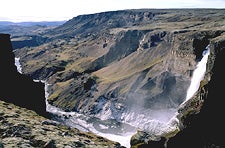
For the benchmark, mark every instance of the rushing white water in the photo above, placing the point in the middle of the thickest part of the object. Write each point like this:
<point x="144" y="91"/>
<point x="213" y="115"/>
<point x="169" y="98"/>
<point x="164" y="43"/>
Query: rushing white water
<point x="155" y="122"/>
<point x="18" y="65"/>
<point x="90" y="124"/>
<point x="198" y="74"/>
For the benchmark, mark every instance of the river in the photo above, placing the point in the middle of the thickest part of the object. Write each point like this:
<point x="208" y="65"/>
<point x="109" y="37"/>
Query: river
<point x="120" y="131"/>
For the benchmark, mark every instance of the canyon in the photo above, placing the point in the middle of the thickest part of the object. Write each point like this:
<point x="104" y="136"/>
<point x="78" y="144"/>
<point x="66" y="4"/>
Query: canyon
<point x="27" y="123"/>
<point x="130" y="71"/>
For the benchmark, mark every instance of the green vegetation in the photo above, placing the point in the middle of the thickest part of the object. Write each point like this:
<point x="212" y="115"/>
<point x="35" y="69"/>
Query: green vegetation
<point x="126" y="69"/>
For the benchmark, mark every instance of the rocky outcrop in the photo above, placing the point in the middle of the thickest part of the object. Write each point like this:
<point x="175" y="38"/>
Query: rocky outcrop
<point x="200" y="126"/>
<point x="15" y="87"/>
<point x="88" y="25"/>
<point x="20" y="127"/>
<point x="207" y="126"/>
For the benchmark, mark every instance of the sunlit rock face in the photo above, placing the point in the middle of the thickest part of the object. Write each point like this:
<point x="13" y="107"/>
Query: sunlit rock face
<point x="131" y="67"/>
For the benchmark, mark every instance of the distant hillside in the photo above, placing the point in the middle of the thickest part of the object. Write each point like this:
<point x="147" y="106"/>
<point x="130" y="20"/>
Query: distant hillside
<point x="5" y="23"/>
<point x="27" y="28"/>
<point x="27" y="34"/>
<point x="43" y="23"/>
<point x="97" y="23"/>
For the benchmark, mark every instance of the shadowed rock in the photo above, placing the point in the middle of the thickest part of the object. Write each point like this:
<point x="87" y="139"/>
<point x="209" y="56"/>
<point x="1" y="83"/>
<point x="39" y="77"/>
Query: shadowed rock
<point x="15" y="87"/>
<point x="205" y="129"/>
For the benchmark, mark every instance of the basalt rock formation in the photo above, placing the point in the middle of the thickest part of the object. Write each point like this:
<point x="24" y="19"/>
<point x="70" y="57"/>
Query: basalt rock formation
<point x="204" y="129"/>
<point x="200" y="125"/>
<point x="15" y="87"/>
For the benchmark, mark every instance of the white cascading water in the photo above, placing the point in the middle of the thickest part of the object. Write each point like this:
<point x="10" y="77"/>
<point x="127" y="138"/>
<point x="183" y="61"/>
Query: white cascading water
<point x="18" y="65"/>
<point x="198" y="74"/>
<point x="85" y="123"/>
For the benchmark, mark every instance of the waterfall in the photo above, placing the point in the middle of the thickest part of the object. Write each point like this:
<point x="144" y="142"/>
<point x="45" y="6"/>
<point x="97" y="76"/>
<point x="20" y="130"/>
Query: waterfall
<point x="198" y="74"/>
<point x="18" y="65"/>
<point x="106" y="128"/>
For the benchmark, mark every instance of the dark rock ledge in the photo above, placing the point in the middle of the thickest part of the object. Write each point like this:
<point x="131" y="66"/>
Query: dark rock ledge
<point x="16" y="88"/>
<point x="20" y="127"/>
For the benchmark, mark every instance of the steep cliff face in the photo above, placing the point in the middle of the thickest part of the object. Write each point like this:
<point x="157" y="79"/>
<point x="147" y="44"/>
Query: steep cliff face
<point x="200" y="127"/>
<point x="86" y="25"/>
<point x="16" y="88"/>
<point x="131" y="66"/>
<point x="206" y="127"/>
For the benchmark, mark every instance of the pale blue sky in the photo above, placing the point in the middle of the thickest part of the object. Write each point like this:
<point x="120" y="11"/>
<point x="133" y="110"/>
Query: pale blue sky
<point x="56" y="10"/>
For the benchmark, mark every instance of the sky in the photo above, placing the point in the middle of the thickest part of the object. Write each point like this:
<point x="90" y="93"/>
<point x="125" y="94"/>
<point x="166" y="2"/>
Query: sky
<point x="58" y="10"/>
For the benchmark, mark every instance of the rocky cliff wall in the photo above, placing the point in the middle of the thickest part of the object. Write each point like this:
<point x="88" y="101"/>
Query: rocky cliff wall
<point x="205" y="128"/>
<point x="18" y="89"/>
<point x="201" y="124"/>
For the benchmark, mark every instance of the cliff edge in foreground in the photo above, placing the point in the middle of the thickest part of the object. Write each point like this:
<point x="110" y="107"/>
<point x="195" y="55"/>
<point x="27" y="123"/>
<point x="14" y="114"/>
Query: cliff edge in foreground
<point x="15" y="87"/>
<point x="20" y="127"/>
